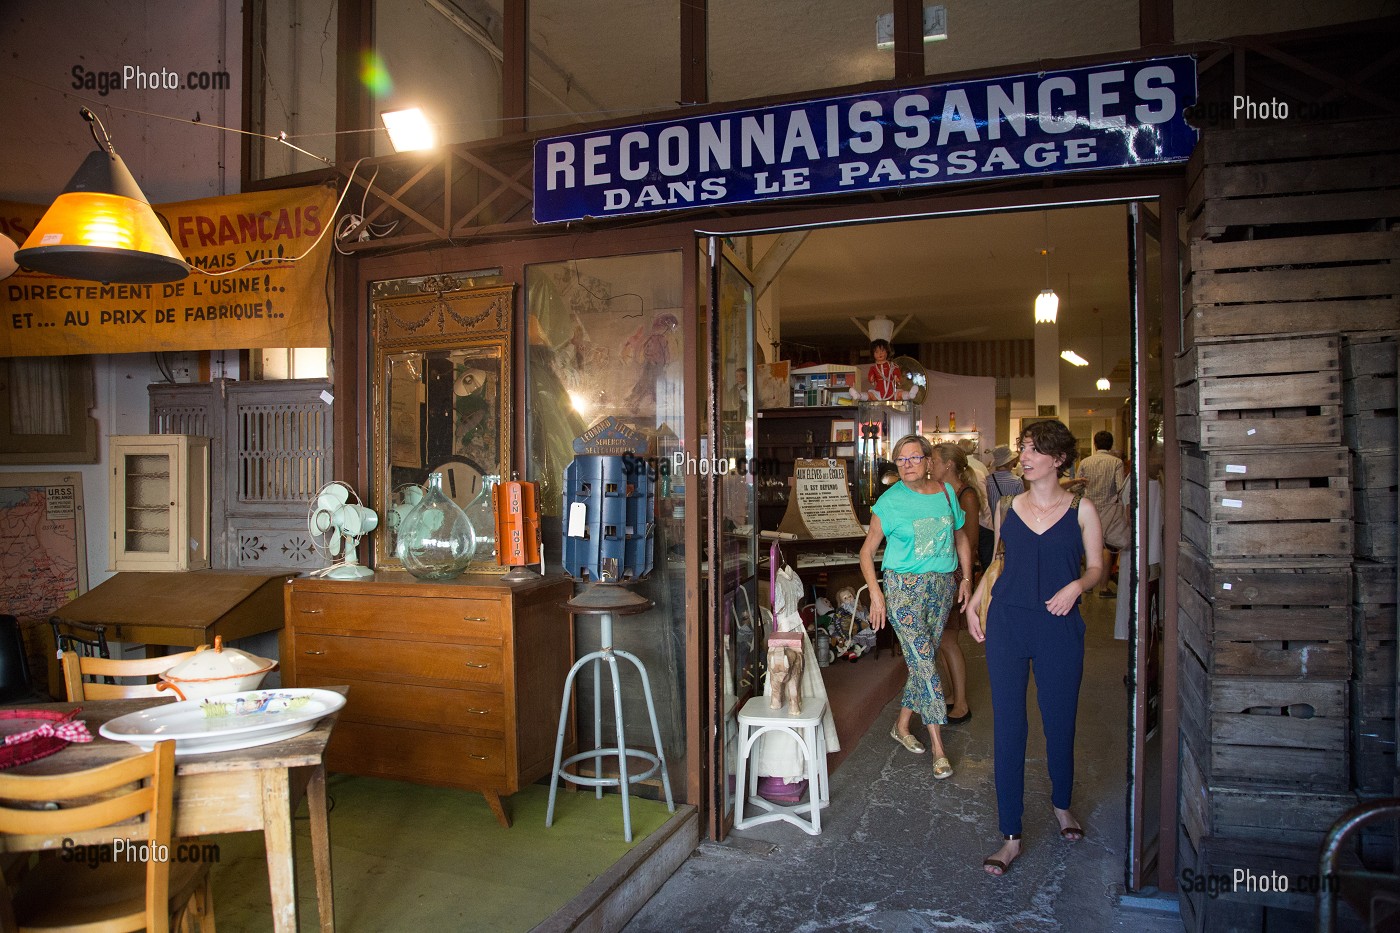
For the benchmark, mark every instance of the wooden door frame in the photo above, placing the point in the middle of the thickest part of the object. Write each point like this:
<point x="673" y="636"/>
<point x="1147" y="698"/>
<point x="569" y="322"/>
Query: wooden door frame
<point x="351" y="315"/>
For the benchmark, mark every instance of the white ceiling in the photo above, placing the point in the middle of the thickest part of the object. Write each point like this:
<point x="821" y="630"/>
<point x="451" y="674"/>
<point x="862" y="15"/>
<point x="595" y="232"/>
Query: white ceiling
<point x="964" y="278"/>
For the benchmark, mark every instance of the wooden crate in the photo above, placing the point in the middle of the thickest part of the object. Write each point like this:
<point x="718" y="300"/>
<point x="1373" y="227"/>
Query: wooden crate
<point x="1267" y="503"/>
<point x="1265" y="621"/>
<point x="1328" y="283"/>
<point x="1243" y="178"/>
<point x="1211" y="902"/>
<point x="1369" y="356"/>
<point x="1369" y="403"/>
<point x="1373" y="755"/>
<point x="1373" y="700"/>
<point x="1280" y="392"/>
<point x="1381" y="840"/>
<point x="1262" y="732"/>
<point x="1374" y="469"/>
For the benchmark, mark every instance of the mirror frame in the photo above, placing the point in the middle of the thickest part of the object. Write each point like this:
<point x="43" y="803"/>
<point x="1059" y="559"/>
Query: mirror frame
<point x="444" y="321"/>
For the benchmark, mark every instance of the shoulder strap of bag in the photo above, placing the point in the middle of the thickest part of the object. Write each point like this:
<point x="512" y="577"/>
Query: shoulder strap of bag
<point x="1074" y="503"/>
<point x="775" y="555"/>
<point x="1003" y="506"/>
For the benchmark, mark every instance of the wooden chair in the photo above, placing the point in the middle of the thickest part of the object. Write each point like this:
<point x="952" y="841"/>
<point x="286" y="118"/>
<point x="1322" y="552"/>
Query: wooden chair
<point x="76" y="667"/>
<point x="15" y="685"/>
<point x="130" y="800"/>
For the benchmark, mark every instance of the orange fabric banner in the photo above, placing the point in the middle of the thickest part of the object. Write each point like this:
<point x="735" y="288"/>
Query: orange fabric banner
<point x="275" y="304"/>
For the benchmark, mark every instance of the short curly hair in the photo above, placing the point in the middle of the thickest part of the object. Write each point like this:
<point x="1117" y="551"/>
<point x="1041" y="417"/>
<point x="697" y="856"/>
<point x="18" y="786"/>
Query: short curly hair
<point x="1053" y="439"/>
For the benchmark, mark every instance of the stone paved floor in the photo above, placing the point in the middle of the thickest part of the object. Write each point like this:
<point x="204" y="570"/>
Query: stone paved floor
<point x="900" y="851"/>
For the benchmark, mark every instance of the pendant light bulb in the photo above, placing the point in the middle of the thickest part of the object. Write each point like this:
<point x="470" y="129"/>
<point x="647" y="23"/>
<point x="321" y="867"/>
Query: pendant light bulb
<point x="1047" y="303"/>
<point x="1103" y="384"/>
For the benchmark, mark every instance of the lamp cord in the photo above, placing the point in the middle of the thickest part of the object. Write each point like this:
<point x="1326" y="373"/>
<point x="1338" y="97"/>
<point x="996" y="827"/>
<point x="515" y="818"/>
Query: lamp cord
<point x="324" y="230"/>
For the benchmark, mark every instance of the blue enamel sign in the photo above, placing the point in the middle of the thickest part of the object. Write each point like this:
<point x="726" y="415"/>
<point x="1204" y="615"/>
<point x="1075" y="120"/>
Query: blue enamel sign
<point x="1079" y="119"/>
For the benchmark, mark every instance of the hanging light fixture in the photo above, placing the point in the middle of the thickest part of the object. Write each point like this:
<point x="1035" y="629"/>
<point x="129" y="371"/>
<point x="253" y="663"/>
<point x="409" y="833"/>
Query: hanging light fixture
<point x="409" y="129"/>
<point x="1103" y="384"/>
<point x="1047" y="303"/>
<point x="101" y="227"/>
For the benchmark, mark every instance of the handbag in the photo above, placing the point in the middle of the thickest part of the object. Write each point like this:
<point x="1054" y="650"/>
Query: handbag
<point x="989" y="576"/>
<point x="1116" y="533"/>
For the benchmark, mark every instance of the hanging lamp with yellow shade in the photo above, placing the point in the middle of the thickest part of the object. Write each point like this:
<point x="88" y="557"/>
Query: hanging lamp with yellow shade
<point x="102" y="228"/>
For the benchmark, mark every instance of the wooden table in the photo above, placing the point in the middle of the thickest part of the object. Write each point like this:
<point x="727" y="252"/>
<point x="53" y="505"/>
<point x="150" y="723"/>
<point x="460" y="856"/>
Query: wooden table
<point x="246" y="790"/>
<point x="181" y="609"/>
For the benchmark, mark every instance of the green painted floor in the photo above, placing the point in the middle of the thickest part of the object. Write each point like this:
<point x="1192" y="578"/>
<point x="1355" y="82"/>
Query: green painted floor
<point x="406" y="857"/>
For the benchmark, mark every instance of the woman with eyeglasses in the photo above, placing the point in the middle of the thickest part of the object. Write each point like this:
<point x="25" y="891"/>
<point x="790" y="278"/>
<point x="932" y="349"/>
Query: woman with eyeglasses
<point x="921" y="524"/>
<point x="1053" y="556"/>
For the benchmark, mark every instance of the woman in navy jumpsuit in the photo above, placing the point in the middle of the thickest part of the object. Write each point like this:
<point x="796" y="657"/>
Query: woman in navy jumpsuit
<point x="1035" y="624"/>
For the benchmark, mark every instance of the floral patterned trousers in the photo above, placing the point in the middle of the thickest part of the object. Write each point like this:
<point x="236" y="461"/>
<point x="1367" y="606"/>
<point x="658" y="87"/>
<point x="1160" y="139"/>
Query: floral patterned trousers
<point x="917" y="605"/>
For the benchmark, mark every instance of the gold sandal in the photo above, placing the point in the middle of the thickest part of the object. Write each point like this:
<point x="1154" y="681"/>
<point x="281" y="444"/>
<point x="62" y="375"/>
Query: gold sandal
<point x="907" y="740"/>
<point x="942" y="769"/>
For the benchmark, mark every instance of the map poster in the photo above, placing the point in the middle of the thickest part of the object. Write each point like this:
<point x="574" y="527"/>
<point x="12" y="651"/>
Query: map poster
<point x="43" y="554"/>
<point x="820" y="504"/>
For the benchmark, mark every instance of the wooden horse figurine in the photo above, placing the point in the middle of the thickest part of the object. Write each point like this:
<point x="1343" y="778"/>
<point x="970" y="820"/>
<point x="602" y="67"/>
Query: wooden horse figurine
<point x="785" y="664"/>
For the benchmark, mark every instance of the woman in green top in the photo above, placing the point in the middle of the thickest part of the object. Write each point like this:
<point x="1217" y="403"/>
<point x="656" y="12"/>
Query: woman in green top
<point x="922" y="525"/>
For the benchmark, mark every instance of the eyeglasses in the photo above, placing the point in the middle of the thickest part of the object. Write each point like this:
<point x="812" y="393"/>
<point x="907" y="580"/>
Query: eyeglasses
<point x="902" y="461"/>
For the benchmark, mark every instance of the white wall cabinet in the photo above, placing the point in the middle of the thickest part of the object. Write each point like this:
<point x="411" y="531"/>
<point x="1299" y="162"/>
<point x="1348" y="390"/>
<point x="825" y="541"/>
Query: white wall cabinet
<point x="159" y="502"/>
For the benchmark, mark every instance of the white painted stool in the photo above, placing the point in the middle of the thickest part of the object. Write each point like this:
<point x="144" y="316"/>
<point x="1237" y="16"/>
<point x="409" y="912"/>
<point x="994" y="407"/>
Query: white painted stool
<point x="755" y="719"/>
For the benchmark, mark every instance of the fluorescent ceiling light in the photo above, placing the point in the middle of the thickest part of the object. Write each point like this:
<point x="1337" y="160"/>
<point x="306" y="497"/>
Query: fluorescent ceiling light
<point x="409" y="129"/>
<point x="935" y="27"/>
<point x="1069" y="356"/>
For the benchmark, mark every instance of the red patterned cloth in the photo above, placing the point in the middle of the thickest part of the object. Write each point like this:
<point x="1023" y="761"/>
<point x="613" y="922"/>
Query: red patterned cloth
<point x="53" y="732"/>
<point x="71" y="731"/>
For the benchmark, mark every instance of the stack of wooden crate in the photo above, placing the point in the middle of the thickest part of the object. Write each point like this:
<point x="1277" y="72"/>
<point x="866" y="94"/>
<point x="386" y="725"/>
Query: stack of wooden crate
<point x="1369" y="426"/>
<point x="1293" y="268"/>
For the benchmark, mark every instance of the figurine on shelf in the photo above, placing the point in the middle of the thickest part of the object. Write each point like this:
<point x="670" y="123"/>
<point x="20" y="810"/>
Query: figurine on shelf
<point x="883" y="378"/>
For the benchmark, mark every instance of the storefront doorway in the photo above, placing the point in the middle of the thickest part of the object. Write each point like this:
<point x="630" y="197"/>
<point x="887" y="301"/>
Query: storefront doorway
<point x="962" y="287"/>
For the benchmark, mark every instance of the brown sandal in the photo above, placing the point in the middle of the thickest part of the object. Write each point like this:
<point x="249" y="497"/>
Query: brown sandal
<point x="1000" y="866"/>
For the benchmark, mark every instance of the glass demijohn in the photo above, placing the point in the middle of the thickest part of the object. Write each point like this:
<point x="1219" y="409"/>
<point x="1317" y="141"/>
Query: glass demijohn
<point x="481" y="512"/>
<point x="437" y="539"/>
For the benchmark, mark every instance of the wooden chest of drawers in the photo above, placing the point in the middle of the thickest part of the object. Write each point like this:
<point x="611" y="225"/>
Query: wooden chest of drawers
<point x="456" y="684"/>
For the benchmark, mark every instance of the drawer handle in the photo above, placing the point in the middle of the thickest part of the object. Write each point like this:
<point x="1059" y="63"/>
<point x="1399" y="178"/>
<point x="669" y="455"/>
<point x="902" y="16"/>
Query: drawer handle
<point x="478" y="712"/>
<point x="474" y="619"/>
<point x="312" y="612"/>
<point x="479" y="757"/>
<point x="309" y="651"/>
<point x="481" y="667"/>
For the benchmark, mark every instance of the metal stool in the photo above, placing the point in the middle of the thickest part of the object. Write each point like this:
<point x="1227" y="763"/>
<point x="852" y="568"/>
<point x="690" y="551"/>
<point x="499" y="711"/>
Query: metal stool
<point x="606" y="652"/>
<point x="755" y="719"/>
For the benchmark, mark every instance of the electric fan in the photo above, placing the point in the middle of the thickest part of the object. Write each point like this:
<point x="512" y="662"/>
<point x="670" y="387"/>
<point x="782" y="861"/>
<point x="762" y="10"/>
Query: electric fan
<point x="336" y="522"/>
<point x="405" y="498"/>
<point x="913" y="383"/>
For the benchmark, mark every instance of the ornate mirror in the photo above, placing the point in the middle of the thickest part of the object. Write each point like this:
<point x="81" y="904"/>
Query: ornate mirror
<point x="442" y="404"/>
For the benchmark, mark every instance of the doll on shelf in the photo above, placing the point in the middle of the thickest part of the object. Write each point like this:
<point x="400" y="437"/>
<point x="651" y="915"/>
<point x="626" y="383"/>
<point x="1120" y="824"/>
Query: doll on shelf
<point x="883" y="377"/>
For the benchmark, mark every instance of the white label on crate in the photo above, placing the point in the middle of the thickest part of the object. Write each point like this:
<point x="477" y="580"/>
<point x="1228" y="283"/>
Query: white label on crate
<point x="1232" y="503"/>
<point x="1227" y="586"/>
<point x="1250" y="432"/>
<point x="578" y="517"/>
<point x="1236" y="468"/>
